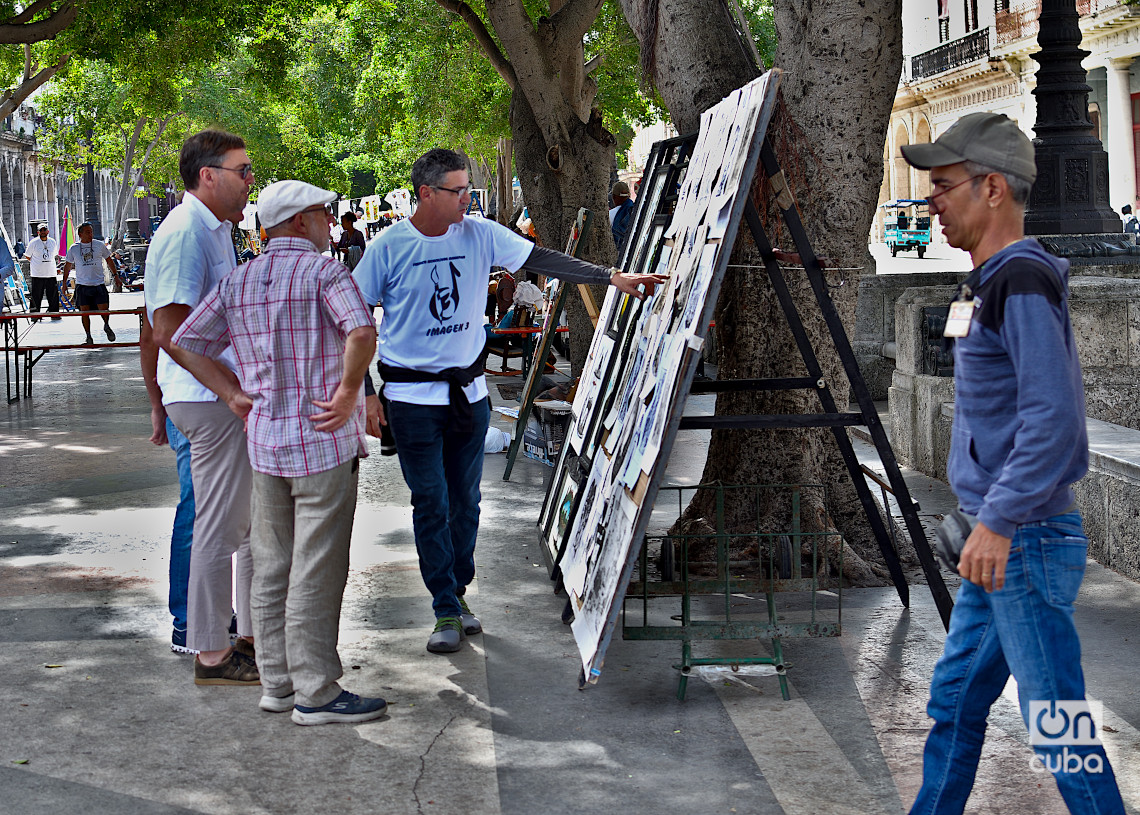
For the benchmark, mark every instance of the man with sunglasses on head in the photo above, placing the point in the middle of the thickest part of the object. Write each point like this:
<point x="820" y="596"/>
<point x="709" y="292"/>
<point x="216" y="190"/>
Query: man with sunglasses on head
<point x="303" y="338"/>
<point x="431" y="273"/>
<point x="191" y="252"/>
<point x="1018" y="445"/>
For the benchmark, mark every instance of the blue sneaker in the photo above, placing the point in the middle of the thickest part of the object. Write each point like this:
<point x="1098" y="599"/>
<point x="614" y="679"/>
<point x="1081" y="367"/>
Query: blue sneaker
<point x="178" y="642"/>
<point x="348" y="707"/>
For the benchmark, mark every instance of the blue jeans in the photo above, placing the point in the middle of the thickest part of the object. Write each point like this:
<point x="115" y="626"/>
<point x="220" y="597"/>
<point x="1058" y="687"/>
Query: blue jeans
<point x="442" y="468"/>
<point x="182" y="536"/>
<point x="1025" y="629"/>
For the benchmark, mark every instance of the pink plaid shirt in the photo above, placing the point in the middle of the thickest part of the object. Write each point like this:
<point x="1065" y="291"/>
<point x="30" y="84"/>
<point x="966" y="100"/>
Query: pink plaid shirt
<point x="287" y="314"/>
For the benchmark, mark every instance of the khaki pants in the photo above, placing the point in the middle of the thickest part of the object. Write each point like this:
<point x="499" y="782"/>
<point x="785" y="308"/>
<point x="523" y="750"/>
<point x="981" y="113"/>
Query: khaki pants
<point x="301" y="532"/>
<point x="219" y="468"/>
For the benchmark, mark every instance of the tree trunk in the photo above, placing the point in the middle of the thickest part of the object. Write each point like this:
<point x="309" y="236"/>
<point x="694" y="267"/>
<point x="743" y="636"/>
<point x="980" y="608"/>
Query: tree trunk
<point x="127" y="187"/>
<point x="562" y="151"/>
<point x="554" y="197"/>
<point x="132" y="175"/>
<point x="841" y="60"/>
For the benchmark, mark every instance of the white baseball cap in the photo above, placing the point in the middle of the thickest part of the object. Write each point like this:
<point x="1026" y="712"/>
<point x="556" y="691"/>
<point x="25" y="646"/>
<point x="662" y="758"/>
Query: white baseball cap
<point x="281" y="200"/>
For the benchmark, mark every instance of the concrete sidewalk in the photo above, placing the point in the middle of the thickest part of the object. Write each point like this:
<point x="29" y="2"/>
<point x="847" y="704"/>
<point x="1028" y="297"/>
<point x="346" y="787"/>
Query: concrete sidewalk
<point x="98" y="716"/>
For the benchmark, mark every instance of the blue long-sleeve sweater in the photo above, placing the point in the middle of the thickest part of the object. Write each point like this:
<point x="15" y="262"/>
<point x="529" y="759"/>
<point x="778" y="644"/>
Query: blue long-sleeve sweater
<point x="1019" y="438"/>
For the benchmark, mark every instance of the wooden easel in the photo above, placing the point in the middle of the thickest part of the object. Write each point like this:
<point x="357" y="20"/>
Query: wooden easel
<point x="578" y="234"/>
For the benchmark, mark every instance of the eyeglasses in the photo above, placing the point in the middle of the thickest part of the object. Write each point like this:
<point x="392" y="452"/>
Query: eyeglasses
<point x="459" y="191"/>
<point x="932" y="199"/>
<point x="326" y="208"/>
<point x="245" y="170"/>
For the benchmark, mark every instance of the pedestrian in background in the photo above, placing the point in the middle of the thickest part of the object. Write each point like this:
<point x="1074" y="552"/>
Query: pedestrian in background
<point x="351" y="244"/>
<point x="41" y="254"/>
<point x="88" y="257"/>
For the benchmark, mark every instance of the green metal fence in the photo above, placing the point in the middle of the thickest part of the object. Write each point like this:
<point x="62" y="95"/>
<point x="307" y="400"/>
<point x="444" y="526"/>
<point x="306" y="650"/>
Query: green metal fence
<point x="769" y="551"/>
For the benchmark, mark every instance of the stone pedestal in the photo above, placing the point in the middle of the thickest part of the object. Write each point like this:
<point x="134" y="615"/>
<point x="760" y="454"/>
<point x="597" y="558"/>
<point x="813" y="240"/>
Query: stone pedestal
<point x="1105" y="314"/>
<point x="875" y="333"/>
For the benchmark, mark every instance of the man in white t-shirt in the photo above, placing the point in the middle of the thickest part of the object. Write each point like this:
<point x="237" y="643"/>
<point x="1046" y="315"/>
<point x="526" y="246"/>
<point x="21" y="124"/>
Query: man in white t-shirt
<point x="191" y="252"/>
<point x="431" y="273"/>
<point x="87" y="257"/>
<point x="42" y="253"/>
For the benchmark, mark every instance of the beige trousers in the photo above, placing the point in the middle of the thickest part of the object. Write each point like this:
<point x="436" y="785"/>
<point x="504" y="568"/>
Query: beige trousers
<point x="219" y="468"/>
<point x="301" y="531"/>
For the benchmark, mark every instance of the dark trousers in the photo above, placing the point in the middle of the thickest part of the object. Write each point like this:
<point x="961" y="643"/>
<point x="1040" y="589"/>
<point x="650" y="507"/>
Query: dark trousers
<point x="40" y="287"/>
<point x="442" y="467"/>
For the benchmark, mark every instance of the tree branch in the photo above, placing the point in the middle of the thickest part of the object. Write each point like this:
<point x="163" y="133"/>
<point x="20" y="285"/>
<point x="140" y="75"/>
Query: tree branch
<point x="594" y="64"/>
<point x="28" y="13"/>
<point x="575" y="18"/>
<point x="16" y="30"/>
<point x="14" y="97"/>
<point x="158" y="135"/>
<point x="490" y="48"/>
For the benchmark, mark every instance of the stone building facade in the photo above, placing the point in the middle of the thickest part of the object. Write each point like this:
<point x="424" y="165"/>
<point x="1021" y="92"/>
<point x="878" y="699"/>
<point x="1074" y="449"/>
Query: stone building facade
<point x="966" y="56"/>
<point x="34" y="189"/>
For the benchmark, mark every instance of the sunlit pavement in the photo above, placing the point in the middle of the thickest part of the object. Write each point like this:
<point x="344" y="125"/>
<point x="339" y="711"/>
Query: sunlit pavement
<point x="939" y="257"/>
<point x="98" y="716"/>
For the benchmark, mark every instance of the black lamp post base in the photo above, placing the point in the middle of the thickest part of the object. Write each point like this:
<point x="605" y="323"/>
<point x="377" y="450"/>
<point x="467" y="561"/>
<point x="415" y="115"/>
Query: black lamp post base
<point x="1096" y="249"/>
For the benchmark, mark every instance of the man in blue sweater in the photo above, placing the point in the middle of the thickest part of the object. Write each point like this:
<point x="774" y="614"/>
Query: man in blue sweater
<point x="1018" y="445"/>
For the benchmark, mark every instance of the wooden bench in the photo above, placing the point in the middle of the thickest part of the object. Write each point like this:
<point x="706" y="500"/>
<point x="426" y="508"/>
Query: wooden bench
<point x="33" y="352"/>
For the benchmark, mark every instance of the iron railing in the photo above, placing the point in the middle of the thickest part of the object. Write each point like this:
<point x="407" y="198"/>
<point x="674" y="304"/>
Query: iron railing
<point x="1018" y="22"/>
<point x="1023" y="20"/>
<point x="962" y="51"/>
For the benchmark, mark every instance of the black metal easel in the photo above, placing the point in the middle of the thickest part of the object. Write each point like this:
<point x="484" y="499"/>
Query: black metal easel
<point x="831" y="416"/>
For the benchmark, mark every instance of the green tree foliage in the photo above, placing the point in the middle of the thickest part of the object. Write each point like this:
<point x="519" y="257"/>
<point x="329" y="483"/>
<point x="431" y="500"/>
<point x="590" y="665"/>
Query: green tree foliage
<point x="357" y="90"/>
<point x="345" y="95"/>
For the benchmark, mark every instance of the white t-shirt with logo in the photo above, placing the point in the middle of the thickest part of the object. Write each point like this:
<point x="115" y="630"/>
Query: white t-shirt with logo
<point x="87" y="258"/>
<point x="42" y="254"/>
<point x="434" y="293"/>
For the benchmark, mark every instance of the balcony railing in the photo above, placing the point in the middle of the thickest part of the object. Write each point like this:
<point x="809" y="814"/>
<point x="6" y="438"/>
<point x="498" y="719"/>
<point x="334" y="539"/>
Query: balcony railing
<point x="1019" y="21"/>
<point x="963" y="51"/>
<point x="1085" y="7"/>
<point x="1023" y="20"/>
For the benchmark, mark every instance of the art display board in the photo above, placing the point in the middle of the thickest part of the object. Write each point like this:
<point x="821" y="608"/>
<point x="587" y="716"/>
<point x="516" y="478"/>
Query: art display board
<point x="642" y="359"/>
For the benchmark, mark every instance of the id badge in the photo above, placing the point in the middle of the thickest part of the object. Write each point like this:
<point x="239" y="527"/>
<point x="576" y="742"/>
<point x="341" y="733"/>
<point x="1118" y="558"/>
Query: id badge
<point x="958" y="321"/>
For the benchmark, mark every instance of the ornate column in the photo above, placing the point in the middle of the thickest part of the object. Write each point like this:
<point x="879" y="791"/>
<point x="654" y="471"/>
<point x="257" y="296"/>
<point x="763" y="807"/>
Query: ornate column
<point x="91" y="198"/>
<point x="1121" y="153"/>
<point x="6" y="199"/>
<point x="19" y="210"/>
<point x="1071" y="193"/>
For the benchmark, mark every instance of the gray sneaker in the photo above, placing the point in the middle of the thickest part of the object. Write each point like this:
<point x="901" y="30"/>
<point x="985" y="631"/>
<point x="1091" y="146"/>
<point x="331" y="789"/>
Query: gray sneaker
<point x="446" y="637"/>
<point x="277" y="704"/>
<point x="469" y="621"/>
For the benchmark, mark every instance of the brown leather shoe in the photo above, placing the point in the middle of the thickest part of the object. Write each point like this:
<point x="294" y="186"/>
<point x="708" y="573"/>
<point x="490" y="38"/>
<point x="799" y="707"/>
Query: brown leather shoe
<point x="244" y="646"/>
<point x="239" y="669"/>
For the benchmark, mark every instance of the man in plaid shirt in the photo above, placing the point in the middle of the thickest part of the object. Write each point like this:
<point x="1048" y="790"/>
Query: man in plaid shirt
<point x="303" y="338"/>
